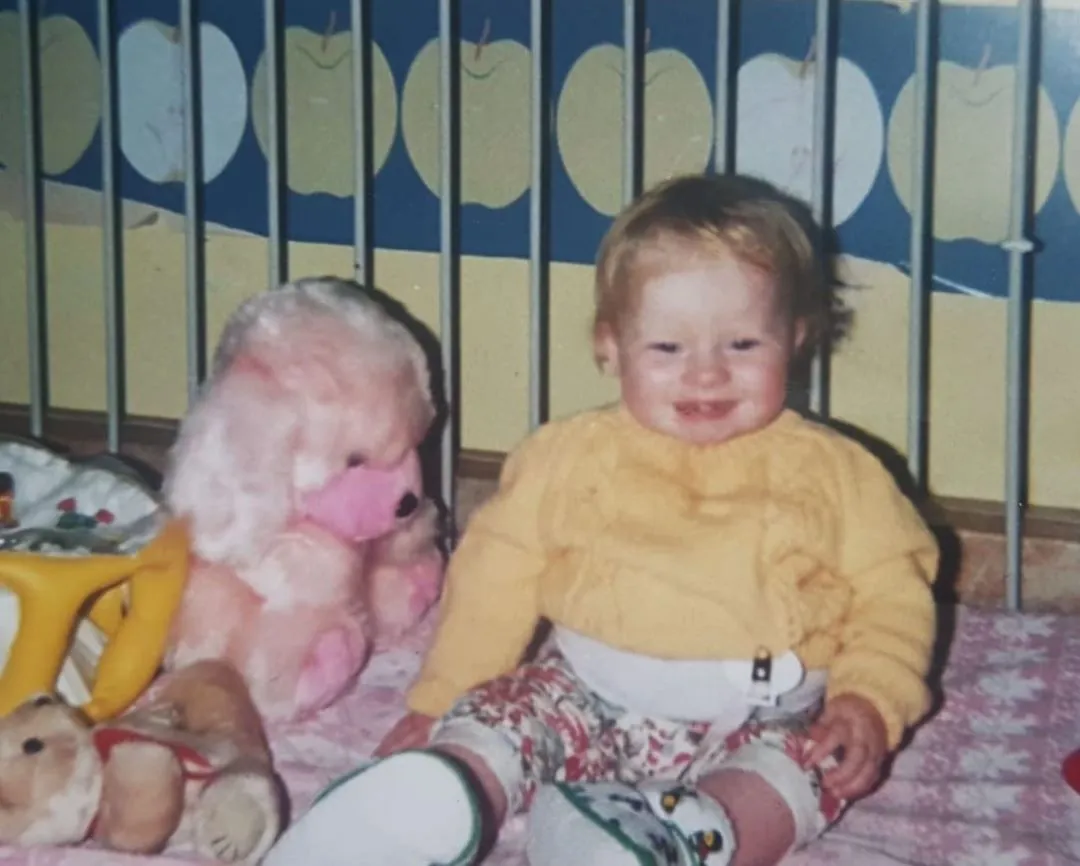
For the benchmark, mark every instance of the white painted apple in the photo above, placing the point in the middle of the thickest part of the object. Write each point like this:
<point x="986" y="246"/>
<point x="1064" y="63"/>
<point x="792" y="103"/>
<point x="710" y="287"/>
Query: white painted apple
<point x="319" y="110"/>
<point x="677" y="119"/>
<point x="150" y="70"/>
<point x="70" y="78"/>
<point x="495" y="133"/>
<point x="1070" y="163"/>
<point x="774" y="136"/>
<point x="973" y="151"/>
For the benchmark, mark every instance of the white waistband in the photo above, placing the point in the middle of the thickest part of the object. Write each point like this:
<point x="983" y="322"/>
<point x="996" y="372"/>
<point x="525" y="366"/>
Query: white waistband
<point x="680" y="690"/>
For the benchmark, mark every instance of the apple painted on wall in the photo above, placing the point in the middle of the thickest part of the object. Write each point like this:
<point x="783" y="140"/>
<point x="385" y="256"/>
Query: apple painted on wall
<point x="774" y="136"/>
<point x="70" y="92"/>
<point x="1070" y="163"/>
<point x="677" y="119"/>
<point x="495" y="127"/>
<point x="973" y="151"/>
<point x="318" y="110"/>
<point x="150" y="70"/>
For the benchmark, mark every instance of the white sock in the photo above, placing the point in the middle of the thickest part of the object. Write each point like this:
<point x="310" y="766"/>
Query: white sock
<point x="612" y="824"/>
<point x="410" y="809"/>
<point x="701" y="821"/>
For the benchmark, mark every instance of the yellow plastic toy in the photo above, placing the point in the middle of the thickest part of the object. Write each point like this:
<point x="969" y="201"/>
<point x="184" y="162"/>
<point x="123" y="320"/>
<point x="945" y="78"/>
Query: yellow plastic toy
<point x="91" y="574"/>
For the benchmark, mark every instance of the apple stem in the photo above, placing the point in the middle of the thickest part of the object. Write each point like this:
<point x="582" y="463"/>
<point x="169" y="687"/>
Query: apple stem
<point x="331" y="26"/>
<point x="485" y="34"/>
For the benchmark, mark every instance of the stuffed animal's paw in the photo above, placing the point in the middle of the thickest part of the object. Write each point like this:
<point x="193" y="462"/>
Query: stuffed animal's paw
<point x="238" y="817"/>
<point x="330" y="668"/>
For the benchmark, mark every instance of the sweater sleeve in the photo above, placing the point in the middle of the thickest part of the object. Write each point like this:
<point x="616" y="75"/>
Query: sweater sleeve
<point x="489" y="608"/>
<point x="890" y="557"/>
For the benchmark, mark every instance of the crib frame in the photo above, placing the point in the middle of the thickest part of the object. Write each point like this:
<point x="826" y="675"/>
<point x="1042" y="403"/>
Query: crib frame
<point x="1018" y="246"/>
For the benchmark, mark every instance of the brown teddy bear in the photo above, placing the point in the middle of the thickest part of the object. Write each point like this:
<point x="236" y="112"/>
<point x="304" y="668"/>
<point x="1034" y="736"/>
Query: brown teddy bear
<point x="189" y="766"/>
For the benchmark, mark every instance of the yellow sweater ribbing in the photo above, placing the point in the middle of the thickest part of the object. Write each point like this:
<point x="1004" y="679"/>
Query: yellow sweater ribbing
<point x="792" y="537"/>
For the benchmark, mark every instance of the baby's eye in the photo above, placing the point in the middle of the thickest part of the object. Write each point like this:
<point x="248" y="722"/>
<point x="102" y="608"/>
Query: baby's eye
<point x="745" y="345"/>
<point x="664" y="347"/>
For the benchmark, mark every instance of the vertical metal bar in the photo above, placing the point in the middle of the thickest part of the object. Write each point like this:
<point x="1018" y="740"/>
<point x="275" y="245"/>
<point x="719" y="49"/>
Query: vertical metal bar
<point x="449" y="105"/>
<point x="193" y="258"/>
<point x="362" y="131"/>
<point x="726" y="54"/>
<point x="37" y="330"/>
<point x="538" y="215"/>
<point x="275" y="85"/>
<point x="822" y="171"/>
<point x="922" y="231"/>
<point x="633" y="143"/>
<point x="1019" y="248"/>
<point x="112" y="259"/>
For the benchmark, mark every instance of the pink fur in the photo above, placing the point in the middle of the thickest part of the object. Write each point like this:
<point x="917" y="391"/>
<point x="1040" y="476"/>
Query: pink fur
<point x="296" y="472"/>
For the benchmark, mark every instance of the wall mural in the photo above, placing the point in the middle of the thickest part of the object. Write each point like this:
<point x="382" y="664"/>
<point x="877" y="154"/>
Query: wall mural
<point x="151" y="98"/>
<point x="874" y="119"/>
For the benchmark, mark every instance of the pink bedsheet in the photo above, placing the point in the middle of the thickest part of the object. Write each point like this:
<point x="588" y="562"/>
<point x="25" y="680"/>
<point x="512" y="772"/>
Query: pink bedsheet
<point x="979" y="786"/>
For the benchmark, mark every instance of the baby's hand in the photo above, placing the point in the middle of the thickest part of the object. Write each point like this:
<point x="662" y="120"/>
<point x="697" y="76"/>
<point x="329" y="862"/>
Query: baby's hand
<point x="851" y="729"/>
<point x="409" y="733"/>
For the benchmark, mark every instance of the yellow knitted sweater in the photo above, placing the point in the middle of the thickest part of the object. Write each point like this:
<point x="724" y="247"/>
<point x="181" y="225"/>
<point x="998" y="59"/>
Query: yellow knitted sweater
<point x="791" y="537"/>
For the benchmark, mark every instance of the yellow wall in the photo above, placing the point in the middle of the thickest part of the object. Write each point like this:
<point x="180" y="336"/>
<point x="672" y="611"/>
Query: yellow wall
<point x="869" y="374"/>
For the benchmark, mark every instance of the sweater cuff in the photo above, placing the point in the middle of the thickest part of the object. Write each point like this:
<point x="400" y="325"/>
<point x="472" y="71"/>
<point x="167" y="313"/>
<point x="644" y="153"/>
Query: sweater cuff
<point x="892" y="712"/>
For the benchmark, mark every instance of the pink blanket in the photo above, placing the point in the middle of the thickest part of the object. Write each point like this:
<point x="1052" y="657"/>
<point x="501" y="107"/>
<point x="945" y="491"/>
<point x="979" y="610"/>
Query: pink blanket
<point x="979" y="785"/>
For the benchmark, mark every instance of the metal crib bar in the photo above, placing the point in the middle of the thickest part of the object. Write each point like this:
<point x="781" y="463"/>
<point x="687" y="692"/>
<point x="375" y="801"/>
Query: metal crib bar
<point x="726" y="74"/>
<point x="37" y="327"/>
<point x="112" y="258"/>
<point x="822" y="169"/>
<point x="1019" y="248"/>
<point x="449" y="261"/>
<point x="193" y="251"/>
<point x="633" y="127"/>
<point x="538" y="217"/>
<point x="922" y="244"/>
<point x="361" y="51"/>
<point x="277" y="263"/>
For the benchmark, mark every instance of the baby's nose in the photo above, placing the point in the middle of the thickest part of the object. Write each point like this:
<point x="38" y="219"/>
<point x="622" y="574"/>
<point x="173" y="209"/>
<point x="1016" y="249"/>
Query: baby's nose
<point x="408" y="504"/>
<point x="709" y="371"/>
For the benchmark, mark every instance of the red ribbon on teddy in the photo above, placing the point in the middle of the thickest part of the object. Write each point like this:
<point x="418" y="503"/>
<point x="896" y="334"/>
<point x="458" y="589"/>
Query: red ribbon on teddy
<point x="195" y="766"/>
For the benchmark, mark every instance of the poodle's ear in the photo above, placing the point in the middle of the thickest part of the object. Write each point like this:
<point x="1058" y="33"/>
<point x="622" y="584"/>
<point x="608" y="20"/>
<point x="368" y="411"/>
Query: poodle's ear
<point x="230" y="472"/>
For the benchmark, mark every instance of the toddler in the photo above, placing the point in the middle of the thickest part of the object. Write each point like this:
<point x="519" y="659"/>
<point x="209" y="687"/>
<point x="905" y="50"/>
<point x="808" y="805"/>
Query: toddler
<point x="740" y="598"/>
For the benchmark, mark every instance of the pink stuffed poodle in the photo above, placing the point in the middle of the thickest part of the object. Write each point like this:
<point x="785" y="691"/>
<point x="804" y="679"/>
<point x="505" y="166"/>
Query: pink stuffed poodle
<point x="298" y="476"/>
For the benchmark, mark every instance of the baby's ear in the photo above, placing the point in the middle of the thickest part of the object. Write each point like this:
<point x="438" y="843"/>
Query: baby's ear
<point x="231" y="469"/>
<point x="606" y="350"/>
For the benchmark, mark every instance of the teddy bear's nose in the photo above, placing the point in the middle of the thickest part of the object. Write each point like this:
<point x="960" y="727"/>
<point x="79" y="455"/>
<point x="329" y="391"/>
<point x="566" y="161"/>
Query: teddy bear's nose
<point x="32" y="746"/>
<point x="409" y="503"/>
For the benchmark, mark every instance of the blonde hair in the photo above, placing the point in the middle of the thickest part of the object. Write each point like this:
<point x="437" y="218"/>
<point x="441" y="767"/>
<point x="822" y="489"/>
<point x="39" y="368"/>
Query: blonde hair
<point x="728" y="214"/>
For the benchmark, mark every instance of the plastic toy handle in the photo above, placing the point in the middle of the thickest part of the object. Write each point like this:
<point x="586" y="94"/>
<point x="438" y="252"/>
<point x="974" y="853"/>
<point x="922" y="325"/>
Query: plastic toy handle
<point x="134" y="653"/>
<point x="39" y="647"/>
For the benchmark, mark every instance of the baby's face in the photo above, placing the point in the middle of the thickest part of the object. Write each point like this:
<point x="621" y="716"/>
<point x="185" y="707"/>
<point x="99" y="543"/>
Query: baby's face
<point x="704" y="355"/>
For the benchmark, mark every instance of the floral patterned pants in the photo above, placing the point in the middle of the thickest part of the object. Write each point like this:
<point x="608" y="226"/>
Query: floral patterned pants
<point x="540" y="724"/>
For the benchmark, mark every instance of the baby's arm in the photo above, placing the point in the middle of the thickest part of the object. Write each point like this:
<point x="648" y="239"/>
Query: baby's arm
<point x="890" y="558"/>
<point x="490" y="607"/>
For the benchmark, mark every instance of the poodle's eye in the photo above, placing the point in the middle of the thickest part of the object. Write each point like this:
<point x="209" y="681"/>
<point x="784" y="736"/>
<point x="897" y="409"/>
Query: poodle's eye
<point x="355" y="459"/>
<point x="43" y="701"/>
<point x="32" y="746"/>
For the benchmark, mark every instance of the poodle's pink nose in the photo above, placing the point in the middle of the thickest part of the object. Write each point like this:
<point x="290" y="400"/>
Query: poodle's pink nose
<point x="408" y="504"/>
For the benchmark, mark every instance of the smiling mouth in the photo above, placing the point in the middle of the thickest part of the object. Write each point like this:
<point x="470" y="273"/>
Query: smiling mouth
<point x="704" y="410"/>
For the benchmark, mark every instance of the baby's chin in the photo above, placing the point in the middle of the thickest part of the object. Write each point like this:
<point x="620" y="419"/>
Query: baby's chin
<point x="697" y="432"/>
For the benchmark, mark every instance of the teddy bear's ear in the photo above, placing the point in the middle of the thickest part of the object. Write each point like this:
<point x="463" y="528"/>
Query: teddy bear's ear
<point x="230" y="471"/>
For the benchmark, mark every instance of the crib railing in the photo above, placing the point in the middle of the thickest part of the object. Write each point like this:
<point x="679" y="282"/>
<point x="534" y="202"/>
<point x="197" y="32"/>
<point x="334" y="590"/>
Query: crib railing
<point x="1018" y="246"/>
